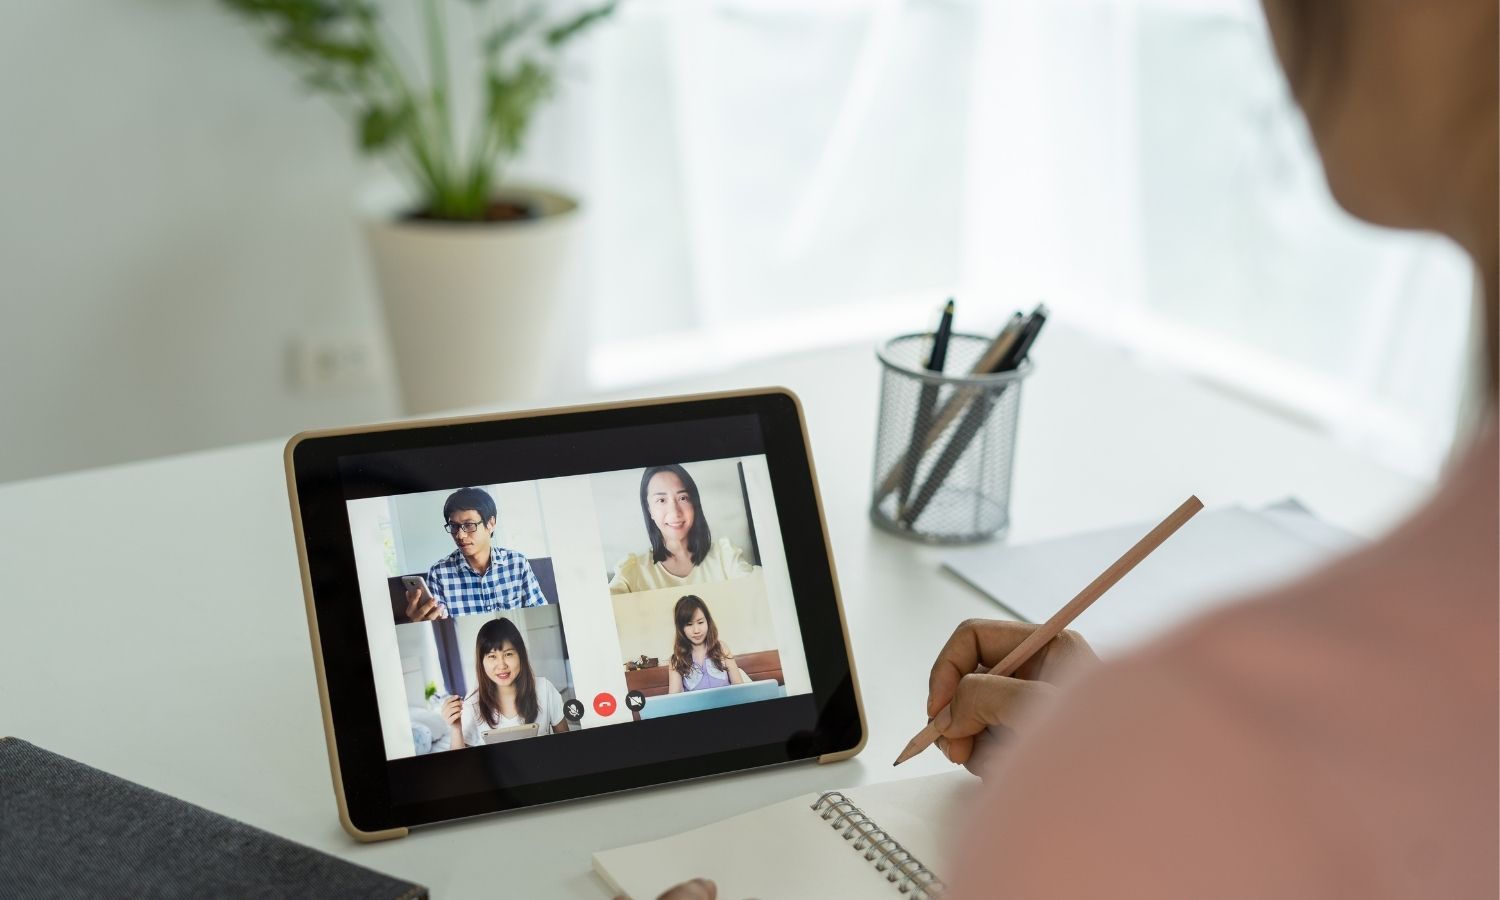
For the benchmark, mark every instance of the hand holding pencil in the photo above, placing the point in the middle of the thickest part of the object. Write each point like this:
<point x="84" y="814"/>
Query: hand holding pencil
<point x="969" y="706"/>
<point x="1040" y="638"/>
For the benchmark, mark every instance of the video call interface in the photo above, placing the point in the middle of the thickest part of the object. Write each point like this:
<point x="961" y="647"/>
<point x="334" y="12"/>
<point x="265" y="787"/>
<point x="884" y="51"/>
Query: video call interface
<point x="518" y="610"/>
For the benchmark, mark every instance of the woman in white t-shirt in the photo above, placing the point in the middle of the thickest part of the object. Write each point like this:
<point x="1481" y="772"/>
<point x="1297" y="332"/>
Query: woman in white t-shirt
<point x="509" y="693"/>
<point x="683" y="550"/>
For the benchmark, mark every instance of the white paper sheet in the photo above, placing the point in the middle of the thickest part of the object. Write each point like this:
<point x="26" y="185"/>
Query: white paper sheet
<point x="1218" y="556"/>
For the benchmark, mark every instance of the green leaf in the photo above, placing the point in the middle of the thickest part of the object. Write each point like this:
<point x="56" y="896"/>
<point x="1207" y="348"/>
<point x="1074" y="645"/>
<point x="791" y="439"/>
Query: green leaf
<point x="378" y="126"/>
<point x="501" y="37"/>
<point x="512" y="99"/>
<point x="565" y="31"/>
<point x="339" y="48"/>
<point x="308" y="42"/>
<point x="291" y="12"/>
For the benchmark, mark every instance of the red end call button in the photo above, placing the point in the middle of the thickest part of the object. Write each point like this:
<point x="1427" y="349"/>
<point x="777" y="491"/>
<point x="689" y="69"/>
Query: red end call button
<point x="604" y="704"/>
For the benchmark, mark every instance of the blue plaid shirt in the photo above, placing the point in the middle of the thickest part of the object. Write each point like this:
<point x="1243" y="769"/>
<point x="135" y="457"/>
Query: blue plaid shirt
<point x="506" y="584"/>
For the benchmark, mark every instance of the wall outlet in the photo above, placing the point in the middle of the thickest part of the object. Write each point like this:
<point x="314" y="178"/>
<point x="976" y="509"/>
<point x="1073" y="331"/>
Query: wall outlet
<point x="337" y="362"/>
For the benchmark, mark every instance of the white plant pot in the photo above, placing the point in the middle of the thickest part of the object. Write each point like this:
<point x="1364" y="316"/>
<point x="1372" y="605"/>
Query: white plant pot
<point x="481" y="314"/>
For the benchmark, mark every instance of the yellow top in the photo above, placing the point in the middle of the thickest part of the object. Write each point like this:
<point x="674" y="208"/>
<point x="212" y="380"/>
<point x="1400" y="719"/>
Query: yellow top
<point x="638" y="572"/>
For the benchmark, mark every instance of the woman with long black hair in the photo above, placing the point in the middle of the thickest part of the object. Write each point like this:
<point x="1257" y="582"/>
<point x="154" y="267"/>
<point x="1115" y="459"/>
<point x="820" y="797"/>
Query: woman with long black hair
<point x="508" y="693"/>
<point x="683" y="549"/>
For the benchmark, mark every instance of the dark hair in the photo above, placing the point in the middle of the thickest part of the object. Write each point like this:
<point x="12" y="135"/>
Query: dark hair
<point x="495" y="634"/>
<point x="1310" y="44"/>
<point x="473" y="498"/>
<point x="682" y="648"/>
<point x="699" y="538"/>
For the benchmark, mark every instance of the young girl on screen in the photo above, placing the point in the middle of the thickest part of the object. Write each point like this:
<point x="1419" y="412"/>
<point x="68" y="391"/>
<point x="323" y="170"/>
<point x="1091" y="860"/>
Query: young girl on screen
<point x="699" y="660"/>
<point x="509" y="693"/>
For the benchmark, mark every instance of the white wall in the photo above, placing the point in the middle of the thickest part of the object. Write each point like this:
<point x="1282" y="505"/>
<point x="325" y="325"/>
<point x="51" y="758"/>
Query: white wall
<point x="419" y="661"/>
<point x="175" y="211"/>
<point x="395" y="680"/>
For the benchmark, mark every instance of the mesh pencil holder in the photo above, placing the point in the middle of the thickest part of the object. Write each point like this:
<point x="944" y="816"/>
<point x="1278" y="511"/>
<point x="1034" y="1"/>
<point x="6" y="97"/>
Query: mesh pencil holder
<point x="955" y="488"/>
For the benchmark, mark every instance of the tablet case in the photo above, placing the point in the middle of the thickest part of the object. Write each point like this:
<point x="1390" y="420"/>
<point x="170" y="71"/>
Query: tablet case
<point x="69" y="830"/>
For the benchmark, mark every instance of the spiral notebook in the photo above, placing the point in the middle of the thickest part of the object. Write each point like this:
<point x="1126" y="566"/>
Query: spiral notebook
<point x="877" y="840"/>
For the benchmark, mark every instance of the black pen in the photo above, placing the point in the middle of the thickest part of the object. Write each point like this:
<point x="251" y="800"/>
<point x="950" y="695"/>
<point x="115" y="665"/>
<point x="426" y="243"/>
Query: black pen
<point x="925" y="402"/>
<point x="973" y="422"/>
<point x="957" y="402"/>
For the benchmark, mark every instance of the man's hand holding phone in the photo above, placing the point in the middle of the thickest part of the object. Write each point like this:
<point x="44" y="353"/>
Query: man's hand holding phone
<point x="421" y="606"/>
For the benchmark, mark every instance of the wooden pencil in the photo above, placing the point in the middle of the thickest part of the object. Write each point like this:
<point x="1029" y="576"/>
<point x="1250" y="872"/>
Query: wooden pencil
<point x="1065" y="616"/>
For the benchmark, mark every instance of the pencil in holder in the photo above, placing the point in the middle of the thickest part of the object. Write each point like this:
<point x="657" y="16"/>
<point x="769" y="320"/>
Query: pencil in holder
<point x="944" y="444"/>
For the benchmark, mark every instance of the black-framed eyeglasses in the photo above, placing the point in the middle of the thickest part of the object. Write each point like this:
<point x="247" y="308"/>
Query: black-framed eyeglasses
<point x="454" y="528"/>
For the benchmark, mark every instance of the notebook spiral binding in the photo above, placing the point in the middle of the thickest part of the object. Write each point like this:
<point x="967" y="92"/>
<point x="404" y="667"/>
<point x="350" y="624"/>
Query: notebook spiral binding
<point x="899" y="866"/>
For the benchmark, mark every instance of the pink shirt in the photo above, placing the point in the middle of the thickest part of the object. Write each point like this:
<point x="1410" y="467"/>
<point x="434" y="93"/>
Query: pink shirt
<point x="1337" y="738"/>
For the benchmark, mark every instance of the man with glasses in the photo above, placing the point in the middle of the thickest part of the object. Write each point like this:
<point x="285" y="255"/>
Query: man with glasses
<point x="477" y="577"/>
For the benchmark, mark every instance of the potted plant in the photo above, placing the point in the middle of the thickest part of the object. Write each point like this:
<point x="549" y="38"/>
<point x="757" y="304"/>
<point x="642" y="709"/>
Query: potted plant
<point x="475" y="269"/>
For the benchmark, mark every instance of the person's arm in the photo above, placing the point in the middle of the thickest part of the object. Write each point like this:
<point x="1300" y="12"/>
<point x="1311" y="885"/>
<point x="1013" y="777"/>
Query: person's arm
<point x="425" y="605"/>
<point x="460" y="603"/>
<point x="732" y="668"/>
<point x="674" y="681"/>
<point x="1148" y="780"/>
<point x="453" y="712"/>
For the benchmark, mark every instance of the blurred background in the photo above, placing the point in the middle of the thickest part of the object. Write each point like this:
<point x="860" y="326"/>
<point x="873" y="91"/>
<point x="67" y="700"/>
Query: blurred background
<point x="184" y="265"/>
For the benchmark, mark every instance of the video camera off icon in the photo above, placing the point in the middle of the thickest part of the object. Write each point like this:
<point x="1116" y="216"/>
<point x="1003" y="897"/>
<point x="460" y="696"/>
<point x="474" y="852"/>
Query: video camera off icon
<point x="635" y="701"/>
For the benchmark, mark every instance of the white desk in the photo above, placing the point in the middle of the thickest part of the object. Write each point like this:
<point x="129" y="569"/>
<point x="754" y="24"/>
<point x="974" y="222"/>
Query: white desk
<point x="154" y="622"/>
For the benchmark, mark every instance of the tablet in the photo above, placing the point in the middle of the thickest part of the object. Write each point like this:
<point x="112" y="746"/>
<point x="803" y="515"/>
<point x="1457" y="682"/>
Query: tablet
<point x="647" y="588"/>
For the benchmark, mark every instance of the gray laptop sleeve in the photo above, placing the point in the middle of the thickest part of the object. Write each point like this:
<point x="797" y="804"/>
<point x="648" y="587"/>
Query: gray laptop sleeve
<point x="68" y="830"/>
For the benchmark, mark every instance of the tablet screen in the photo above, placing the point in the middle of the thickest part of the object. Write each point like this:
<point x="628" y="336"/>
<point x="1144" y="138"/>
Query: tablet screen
<point x="630" y="585"/>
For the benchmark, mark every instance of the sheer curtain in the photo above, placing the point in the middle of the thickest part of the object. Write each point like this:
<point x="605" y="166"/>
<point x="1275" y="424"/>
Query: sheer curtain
<point x="768" y="175"/>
